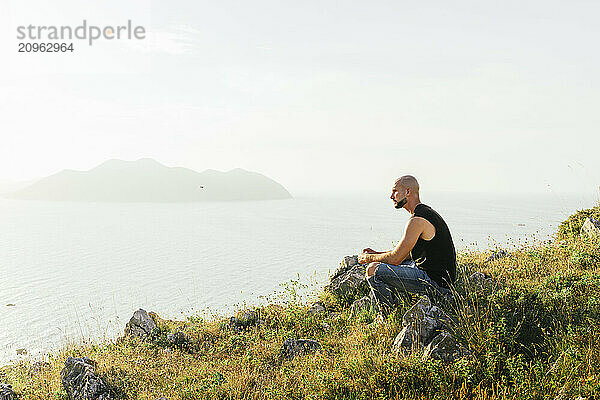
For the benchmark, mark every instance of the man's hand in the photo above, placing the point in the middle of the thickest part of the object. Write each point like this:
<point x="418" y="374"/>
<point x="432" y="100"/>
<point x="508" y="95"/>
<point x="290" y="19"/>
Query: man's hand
<point x="369" y="250"/>
<point x="364" y="258"/>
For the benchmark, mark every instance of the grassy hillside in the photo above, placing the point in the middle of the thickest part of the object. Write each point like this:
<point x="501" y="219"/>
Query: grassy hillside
<point x="532" y="333"/>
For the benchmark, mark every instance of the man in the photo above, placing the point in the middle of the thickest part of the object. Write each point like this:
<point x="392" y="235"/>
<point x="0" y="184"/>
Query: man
<point x="423" y="262"/>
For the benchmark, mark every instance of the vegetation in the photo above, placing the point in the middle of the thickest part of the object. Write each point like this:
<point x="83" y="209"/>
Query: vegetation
<point x="532" y="333"/>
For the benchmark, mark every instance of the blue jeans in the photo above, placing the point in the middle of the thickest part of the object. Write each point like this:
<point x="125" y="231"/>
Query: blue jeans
<point x="392" y="281"/>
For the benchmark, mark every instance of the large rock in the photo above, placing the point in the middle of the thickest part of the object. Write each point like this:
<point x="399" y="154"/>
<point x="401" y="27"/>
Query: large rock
<point x="141" y="325"/>
<point x="346" y="264"/>
<point x="6" y="392"/>
<point x="591" y="228"/>
<point x="349" y="279"/>
<point x="80" y="381"/>
<point x="443" y="347"/>
<point x="299" y="347"/>
<point x="407" y="341"/>
<point x="422" y="329"/>
<point x="425" y="318"/>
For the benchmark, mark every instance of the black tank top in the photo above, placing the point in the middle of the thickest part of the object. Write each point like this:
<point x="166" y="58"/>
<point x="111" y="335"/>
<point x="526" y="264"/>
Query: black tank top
<point x="437" y="256"/>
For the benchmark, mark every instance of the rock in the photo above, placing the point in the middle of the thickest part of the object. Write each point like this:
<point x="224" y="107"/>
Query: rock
<point x="421" y="323"/>
<point x="443" y="347"/>
<point x="6" y="392"/>
<point x="299" y="347"/>
<point x="10" y="305"/>
<point x="80" y="381"/>
<point x="407" y="341"/>
<point x="361" y="306"/>
<point x="316" y="308"/>
<point x="244" y="320"/>
<point x="349" y="282"/>
<point x="497" y="255"/>
<point x="418" y="311"/>
<point x="141" y="325"/>
<point x="347" y="263"/>
<point x="179" y="339"/>
<point x="480" y="279"/>
<point x="591" y="228"/>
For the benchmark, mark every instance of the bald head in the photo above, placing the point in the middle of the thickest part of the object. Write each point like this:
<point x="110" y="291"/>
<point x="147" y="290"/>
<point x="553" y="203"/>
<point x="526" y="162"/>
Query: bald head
<point x="407" y="182"/>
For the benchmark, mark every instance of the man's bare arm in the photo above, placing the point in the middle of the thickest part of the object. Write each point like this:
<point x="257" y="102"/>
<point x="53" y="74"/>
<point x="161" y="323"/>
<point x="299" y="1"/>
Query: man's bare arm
<point x="414" y="228"/>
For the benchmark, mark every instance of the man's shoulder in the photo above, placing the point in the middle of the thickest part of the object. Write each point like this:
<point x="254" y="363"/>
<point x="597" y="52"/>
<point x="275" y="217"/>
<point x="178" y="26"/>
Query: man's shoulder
<point x="425" y="211"/>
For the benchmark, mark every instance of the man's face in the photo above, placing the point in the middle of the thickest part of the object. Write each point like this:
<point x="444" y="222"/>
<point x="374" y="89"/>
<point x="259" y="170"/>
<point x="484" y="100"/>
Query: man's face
<point x="398" y="195"/>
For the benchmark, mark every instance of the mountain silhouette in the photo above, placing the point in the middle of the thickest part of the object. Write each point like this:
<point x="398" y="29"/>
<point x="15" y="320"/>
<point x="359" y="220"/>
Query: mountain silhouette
<point x="147" y="180"/>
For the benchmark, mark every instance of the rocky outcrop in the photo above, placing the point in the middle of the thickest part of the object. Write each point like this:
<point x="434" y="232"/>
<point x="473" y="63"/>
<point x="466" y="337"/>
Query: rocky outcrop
<point x="424" y="327"/>
<point x="81" y="382"/>
<point x="591" y="228"/>
<point x="141" y="325"/>
<point x="6" y="392"/>
<point x="349" y="279"/>
<point x="299" y="347"/>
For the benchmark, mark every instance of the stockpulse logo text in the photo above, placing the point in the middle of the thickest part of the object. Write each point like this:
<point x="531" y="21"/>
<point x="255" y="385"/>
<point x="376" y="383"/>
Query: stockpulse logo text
<point x="90" y="33"/>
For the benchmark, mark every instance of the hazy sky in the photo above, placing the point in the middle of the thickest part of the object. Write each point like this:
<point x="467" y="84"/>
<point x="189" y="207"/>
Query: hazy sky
<point x="466" y="95"/>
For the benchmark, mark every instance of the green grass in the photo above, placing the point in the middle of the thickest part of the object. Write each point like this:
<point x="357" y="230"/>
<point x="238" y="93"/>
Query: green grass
<point x="533" y="334"/>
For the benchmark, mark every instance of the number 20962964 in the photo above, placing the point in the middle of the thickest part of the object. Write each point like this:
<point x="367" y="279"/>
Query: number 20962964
<point x="45" y="47"/>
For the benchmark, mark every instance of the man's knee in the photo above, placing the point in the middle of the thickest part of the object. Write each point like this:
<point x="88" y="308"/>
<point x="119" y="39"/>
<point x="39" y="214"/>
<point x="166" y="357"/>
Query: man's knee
<point x="370" y="271"/>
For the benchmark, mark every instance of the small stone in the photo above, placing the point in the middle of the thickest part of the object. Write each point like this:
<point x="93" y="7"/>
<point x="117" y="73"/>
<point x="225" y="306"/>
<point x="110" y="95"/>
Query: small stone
<point x="10" y="305"/>
<point x="497" y="255"/>
<point x="480" y="279"/>
<point x="6" y="392"/>
<point x="81" y="382"/>
<point x="244" y="320"/>
<point x="299" y="347"/>
<point x="316" y="308"/>
<point x="179" y="339"/>
<point x="141" y="325"/>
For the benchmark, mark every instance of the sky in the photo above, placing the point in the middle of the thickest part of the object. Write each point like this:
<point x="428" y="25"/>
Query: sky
<point x="479" y="96"/>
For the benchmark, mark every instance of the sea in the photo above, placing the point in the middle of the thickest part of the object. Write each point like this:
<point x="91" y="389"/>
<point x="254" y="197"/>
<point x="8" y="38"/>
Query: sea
<point x="73" y="272"/>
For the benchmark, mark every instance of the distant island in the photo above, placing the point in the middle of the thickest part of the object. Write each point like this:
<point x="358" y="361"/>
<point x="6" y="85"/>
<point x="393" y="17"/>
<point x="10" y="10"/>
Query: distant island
<point x="147" y="180"/>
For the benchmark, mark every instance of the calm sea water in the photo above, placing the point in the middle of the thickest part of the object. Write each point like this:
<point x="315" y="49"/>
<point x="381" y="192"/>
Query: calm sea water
<point x="79" y="270"/>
